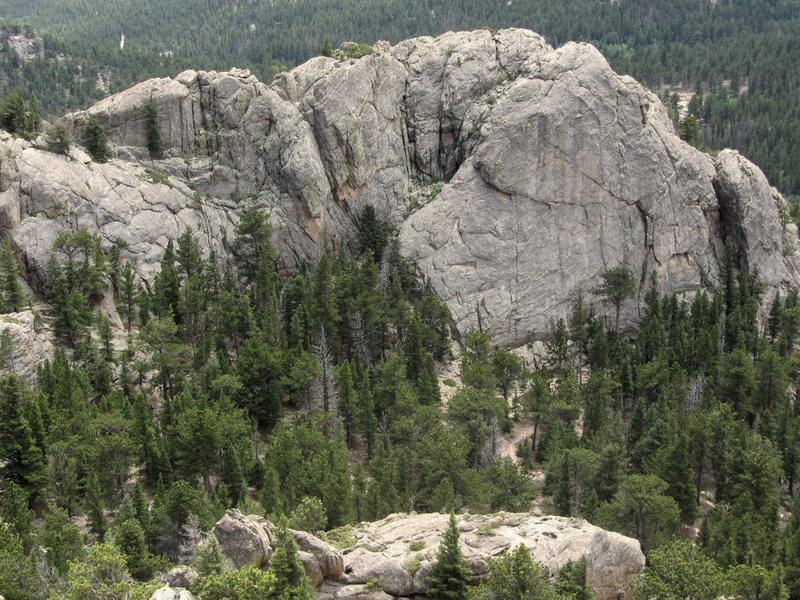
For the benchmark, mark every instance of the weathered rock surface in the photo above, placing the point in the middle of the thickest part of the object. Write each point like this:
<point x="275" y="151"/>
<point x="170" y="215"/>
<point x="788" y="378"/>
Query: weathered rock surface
<point x="394" y="557"/>
<point x="538" y="169"/>
<point x="244" y="540"/>
<point x="577" y="170"/>
<point x="338" y="591"/>
<point x="180" y="577"/>
<point x="30" y="345"/>
<point x="26" y="46"/>
<point x="248" y="540"/>
<point x="763" y="236"/>
<point x="331" y="563"/>
<point x="383" y="550"/>
<point x="171" y="593"/>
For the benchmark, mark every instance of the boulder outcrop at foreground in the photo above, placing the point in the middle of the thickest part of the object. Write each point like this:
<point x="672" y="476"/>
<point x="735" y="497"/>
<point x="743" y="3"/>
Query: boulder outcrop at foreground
<point x="384" y="549"/>
<point x="516" y="172"/>
<point x="244" y="540"/>
<point x="249" y="540"/>
<point x="399" y="551"/>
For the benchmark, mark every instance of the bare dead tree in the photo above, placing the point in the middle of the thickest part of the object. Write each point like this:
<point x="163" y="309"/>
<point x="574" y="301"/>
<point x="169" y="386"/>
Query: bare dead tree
<point x="325" y="393"/>
<point x="359" y="337"/>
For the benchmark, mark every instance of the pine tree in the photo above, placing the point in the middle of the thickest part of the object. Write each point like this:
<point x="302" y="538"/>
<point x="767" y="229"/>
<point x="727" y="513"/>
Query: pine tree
<point x="233" y="476"/>
<point x="325" y="48"/>
<point x="291" y="581"/>
<point x="210" y="560"/>
<point x="371" y="233"/>
<point x="155" y="143"/>
<point x="22" y="459"/>
<point x="58" y="138"/>
<point x="14" y="510"/>
<point x="348" y="400"/>
<point x="62" y="539"/>
<point x="270" y="495"/>
<point x="450" y="576"/>
<point x="129" y="537"/>
<point x="516" y="576"/>
<point x="94" y="505"/>
<point x="13" y="297"/>
<point x="95" y="140"/>
<point x="558" y="348"/>
<point x="19" y="117"/>
<point x="618" y="285"/>
<point x="166" y="286"/>
<point x="571" y="581"/>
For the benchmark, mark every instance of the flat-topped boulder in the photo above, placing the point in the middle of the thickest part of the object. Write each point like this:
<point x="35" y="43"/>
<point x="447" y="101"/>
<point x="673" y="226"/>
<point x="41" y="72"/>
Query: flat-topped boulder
<point x="400" y="550"/>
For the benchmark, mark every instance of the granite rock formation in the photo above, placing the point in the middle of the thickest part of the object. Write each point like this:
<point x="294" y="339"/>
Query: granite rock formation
<point x="516" y="173"/>
<point x="394" y="557"/>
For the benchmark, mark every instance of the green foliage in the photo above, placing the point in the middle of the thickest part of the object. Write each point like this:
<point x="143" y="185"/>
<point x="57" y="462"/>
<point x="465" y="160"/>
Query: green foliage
<point x="62" y="539"/>
<point x="450" y="575"/>
<point x="13" y="296"/>
<point x="210" y="559"/>
<point x="248" y="583"/>
<point x="18" y="579"/>
<point x="95" y="140"/>
<point x="308" y="464"/>
<point x="291" y="581"/>
<point x="155" y="143"/>
<point x="641" y="510"/>
<point x="700" y="399"/>
<point x="158" y="177"/>
<point x="58" y="138"/>
<point x="679" y="570"/>
<point x="309" y="515"/>
<point x="326" y="49"/>
<point x="572" y="582"/>
<point x="129" y="537"/>
<point x="341" y="537"/>
<point x="98" y="524"/>
<point x="20" y="116"/>
<point x="23" y="463"/>
<point x="618" y="285"/>
<point x="516" y="576"/>
<point x="14" y="511"/>
<point x="687" y="130"/>
<point x="354" y="50"/>
<point x="372" y="235"/>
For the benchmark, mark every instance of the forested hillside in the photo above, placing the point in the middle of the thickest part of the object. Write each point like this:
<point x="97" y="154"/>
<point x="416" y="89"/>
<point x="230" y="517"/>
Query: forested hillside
<point x="740" y="56"/>
<point x="315" y="398"/>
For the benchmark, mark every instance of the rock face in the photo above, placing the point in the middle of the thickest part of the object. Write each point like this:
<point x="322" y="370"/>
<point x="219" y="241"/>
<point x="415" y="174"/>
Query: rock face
<point x="171" y="593"/>
<point x="244" y="540"/>
<point x="248" y="540"/>
<point x="321" y="560"/>
<point x="384" y="550"/>
<point x="30" y="345"/>
<point x="180" y="577"/>
<point x="517" y="173"/>
<point x="394" y="557"/>
<point x="576" y="170"/>
<point x="26" y="46"/>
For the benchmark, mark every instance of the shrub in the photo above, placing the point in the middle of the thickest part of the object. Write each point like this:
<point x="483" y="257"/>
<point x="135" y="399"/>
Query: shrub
<point x="358" y="50"/>
<point x="58" y="138"/>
